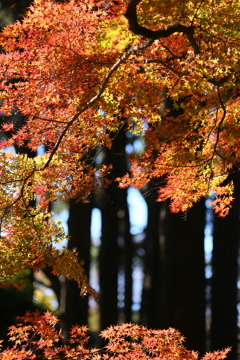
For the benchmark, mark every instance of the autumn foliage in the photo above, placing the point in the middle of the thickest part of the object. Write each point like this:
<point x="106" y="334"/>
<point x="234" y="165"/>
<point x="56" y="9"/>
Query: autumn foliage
<point x="79" y="71"/>
<point x="37" y="337"/>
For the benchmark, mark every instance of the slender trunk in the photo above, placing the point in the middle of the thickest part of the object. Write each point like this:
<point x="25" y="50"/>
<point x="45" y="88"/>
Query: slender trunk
<point x="79" y="226"/>
<point x="183" y="276"/>
<point x="174" y="286"/>
<point x="109" y="262"/>
<point x="128" y="255"/>
<point x="116" y="239"/>
<point x="224" y="278"/>
<point x="150" y="307"/>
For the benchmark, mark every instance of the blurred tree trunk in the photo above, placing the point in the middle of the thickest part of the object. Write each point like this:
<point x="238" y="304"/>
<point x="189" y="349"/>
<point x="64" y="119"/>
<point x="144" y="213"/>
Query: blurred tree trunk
<point x="183" y="274"/>
<point x="109" y="260"/>
<point x="115" y="233"/>
<point x="224" y="279"/>
<point x="174" y="286"/>
<point x="128" y="257"/>
<point x="150" y="312"/>
<point x="79" y="230"/>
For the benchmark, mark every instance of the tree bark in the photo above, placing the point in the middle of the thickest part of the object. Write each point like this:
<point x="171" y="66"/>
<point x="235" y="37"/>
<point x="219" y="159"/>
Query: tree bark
<point x="79" y="229"/>
<point x="174" y="286"/>
<point x="224" y="279"/>
<point x="150" y="309"/>
<point x="115" y="235"/>
<point x="183" y="275"/>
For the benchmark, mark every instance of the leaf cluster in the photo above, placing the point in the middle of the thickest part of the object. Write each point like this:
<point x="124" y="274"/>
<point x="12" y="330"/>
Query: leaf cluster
<point x="79" y="71"/>
<point x="36" y="336"/>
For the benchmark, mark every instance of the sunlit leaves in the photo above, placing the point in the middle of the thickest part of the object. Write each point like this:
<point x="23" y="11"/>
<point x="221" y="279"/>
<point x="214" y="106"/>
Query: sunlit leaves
<point x="36" y="335"/>
<point x="29" y="236"/>
<point x="78" y="74"/>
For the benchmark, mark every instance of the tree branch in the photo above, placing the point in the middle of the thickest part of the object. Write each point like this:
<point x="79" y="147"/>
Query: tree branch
<point x="131" y="16"/>
<point x="128" y="52"/>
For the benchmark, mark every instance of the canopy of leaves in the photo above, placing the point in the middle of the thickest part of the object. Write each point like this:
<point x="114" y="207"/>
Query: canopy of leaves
<point x="80" y="70"/>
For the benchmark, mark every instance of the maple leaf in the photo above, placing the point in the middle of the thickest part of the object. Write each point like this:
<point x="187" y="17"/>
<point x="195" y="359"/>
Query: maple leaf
<point x="8" y="126"/>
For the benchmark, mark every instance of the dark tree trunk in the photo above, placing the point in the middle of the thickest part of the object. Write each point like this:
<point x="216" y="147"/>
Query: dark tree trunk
<point x="128" y="257"/>
<point x="79" y="229"/>
<point x="150" y="307"/>
<point x="224" y="278"/>
<point x="174" y="286"/>
<point x="183" y="275"/>
<point x="115" y="237"/>
<point x="109" y="260"/>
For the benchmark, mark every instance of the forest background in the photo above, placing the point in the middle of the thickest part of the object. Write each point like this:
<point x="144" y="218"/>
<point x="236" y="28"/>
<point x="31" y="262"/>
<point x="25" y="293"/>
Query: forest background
<point x="181" y="287"/>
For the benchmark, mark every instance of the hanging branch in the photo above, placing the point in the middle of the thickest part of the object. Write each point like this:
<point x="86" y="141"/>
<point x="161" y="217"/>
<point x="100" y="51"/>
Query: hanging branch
<point x="131" y="16"/>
